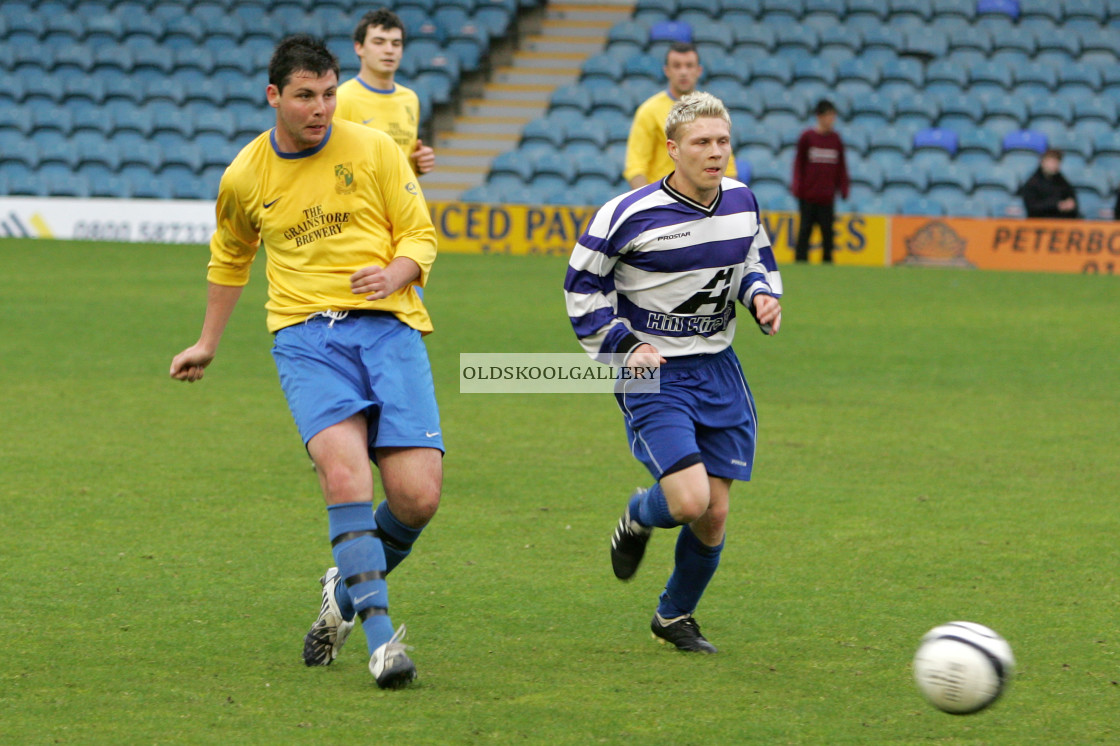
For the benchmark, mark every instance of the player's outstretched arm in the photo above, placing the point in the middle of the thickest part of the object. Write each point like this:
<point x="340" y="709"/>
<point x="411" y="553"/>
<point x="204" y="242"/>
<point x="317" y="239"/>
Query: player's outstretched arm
<point x="768" y="312"/>
<point x="190" y="364"/>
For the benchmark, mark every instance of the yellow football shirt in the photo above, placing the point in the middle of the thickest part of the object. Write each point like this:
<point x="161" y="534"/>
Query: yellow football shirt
<point x="395" y="112"/>
<point x="646" y="153"/>
<point x="322" y="214"/>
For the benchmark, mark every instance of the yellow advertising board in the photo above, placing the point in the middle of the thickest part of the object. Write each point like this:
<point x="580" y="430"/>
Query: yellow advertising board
<point x="1079" y="246"/>
<point x="553" y="230"/>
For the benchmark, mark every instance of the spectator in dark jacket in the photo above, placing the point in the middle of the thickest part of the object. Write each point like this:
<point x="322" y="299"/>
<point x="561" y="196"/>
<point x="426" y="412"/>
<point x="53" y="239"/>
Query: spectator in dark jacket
<point x="1047" y="194"/>
<point x="819" y="172"/>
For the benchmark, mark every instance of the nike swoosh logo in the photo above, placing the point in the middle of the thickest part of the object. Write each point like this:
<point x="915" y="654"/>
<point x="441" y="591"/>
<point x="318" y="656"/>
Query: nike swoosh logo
<point x="431" y="435"/>
<point x="270" y="204"/>
<point x="367" y="121"/>
<point x="363" y="598"/>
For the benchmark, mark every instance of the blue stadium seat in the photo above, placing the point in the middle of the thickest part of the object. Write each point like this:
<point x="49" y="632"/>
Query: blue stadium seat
<point x="998" y="76"/>
<point x="670" y="31"/>
<point x="836" y="39"/>
<point x="856" y="140"/>
<point x="54" y="147"/>
<point x="945" y="78"/>
<point x="759" y="137"/>
<point x="1007" y="8"/>
<point x="1024" y="140"/>
<point x="953" y="175"/>
<point x="859" y="69"/>
<point x="1091" y="181"/>
<point x="826" y="12"/>
<point x="935" y="137"/>
<point x="907" y="175"/>
<point x="215" y="120"/>
<point x="1037" y="73"/>
<point x="1095" y="108"/>
<point x="1050" y="10"/>
<point x="785" y="101"/>
<point x="587" y="131"/>
<point x="712" y="37"/>
<point x="41" y="87"/>
<point x="882" y="37"/>
<point x="47" y="116"/>
<point x="1106" y="143"/>
<point x="633" y="34"/>
<point x="972" y="37"/>
<point x="149" y="186"/>
<point x="144" y="153"/>
<point x="782" y="11"/>
<point x="925" y="43"/>
<point x="71" y="59"/>
<point x="494" y="17"/>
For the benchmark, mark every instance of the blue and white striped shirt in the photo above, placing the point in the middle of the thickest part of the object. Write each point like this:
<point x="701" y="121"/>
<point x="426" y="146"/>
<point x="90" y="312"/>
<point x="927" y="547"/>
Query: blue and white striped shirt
<point x="656" y="267"/>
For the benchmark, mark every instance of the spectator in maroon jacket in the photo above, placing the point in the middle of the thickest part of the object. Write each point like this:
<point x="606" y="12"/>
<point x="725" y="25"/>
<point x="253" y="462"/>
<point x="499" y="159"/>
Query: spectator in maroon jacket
<point x="819" y="172"/>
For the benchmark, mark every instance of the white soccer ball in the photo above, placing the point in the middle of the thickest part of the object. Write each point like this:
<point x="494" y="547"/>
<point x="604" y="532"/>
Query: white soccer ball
<point x="962" y="667"/>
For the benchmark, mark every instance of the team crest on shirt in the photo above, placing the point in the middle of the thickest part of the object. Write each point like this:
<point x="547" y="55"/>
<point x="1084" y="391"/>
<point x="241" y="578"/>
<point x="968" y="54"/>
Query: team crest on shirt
<point x="344" y="178"/>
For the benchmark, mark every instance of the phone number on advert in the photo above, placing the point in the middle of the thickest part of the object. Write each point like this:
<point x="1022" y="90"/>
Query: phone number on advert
<point x="155" y="232"/>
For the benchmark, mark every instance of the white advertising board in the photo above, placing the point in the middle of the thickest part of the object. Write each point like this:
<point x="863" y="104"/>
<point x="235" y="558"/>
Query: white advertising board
<point x="144" y="220"/>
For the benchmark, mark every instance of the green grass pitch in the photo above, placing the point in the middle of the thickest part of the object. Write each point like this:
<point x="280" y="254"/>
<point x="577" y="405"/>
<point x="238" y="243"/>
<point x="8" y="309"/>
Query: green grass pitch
<point x="935" y="445"/>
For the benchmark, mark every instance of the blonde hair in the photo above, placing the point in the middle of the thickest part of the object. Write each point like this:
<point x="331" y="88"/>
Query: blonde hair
<point x="691" y="107"/>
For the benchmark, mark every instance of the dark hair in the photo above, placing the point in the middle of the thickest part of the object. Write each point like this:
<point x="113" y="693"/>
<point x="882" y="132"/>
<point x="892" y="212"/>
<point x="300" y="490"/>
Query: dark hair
<point x="382" y="17"/>
<point x="681" y="47"/>
<point x="300" y="52"/>
<point x="1052" y="153"/>
<point x="824" y="106"/>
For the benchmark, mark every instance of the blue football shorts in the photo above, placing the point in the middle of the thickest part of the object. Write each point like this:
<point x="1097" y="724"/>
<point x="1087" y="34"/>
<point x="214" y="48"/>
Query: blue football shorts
<point x="369" y="362"/>
<point x="704" y="413"/>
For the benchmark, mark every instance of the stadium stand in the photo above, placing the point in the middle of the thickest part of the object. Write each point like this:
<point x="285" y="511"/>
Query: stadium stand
<point x="943" y="102"/>
<point x="147" y="99"/>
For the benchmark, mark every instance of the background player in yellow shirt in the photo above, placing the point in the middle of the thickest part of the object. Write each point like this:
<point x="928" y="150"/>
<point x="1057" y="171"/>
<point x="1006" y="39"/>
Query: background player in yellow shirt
<point x="374" y="98"/>
<point x="348" y="239"/>
<point x="647" y="158"/>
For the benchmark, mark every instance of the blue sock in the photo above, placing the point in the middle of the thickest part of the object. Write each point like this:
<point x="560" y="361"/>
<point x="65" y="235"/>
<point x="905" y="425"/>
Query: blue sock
<point x="361" y="563"/>
<point x="696" y="563"/>
<point x="650" y="508"/>
<point x="396" y="538"/>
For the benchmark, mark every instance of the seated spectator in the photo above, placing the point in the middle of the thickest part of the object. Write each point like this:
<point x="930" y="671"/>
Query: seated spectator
<point x="1047" y="194"/>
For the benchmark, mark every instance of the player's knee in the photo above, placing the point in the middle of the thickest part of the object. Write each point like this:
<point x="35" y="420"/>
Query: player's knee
<point x="343" y="483"/>
<point x="690" y="505"/>
<point x="416" y="505"/>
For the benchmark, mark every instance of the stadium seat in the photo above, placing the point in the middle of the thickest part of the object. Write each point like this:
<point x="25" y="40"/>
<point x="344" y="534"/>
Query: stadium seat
<point x="772" y="68"/>
<point x="1051" y="109"/>
<point x="588" y="131"/>
<point x="868" y="173"/>
<point x="914" y="110"/>
<point x="755" y="39"/>
<point x="1092" y="181"/>
<point x="1106" y="143"/>
<point x="607" y="99"/>
<point x="644" y="66"/>
<point x="1083" y="78"/>
<point x="925" y="43"/>
<point x="974" y="38"/>
<point x="1004" y="113"/>
<point x="215" y="120"/>
<point x="810" y="68"/>
<point x="543" y="130"/>
<point x="670" y="31"/>
<point x="874" y="110"/>
<point x="934" y="137"/>
<point x="875" y="9"/>
<point x="861" y="70"/>
<point x="720" y="67"/>
<point x="634" y="35"/>
<point x="800" y="39"/>
<point x="1005" y="8"/>
<point x="921" y="206"/>
<point x="1102" y="109"/>
<point x="602" y="67"/>
<point x="881" y="37"/>
<point x="760" y="137"/>
<point x="955" y="9"/>
<point x="571" y="97"/>
<point x="149" y="186"/>
<point x="712" y="37"/>
<point x="891" y="138"/>
<point x="998" y="77"/>
<point x="838" y="43"/>
<point x="1015" y="38"/>
<point x="1093" y="10"/>
<point x="1024" y="140"/>
<point x="910" y="12"/>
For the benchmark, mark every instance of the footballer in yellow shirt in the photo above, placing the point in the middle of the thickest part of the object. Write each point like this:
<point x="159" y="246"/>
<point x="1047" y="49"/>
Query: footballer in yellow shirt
<point x="647" y="159"/>
<point x="348" y="239"/>
<point x="374" y="98"/>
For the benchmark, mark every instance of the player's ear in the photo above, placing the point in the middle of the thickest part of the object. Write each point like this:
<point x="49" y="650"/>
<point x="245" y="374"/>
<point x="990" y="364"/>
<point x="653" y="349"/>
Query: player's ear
<point x="674" y="149"/>
<point x="272" y="93"/>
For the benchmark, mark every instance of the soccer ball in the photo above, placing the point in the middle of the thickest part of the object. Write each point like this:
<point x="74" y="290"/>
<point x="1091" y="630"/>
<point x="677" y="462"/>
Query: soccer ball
<point x="962" y="667"/>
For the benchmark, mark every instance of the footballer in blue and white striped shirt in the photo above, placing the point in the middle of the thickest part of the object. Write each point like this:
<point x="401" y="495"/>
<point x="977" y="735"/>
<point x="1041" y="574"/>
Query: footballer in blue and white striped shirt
<point x="654" y="280"/>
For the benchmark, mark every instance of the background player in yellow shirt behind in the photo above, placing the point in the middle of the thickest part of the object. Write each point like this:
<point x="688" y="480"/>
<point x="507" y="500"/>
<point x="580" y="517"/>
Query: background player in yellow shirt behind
<point x="348" y="240"/>
<point x="374" y="98"/>
<point x="647" y="158"/>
